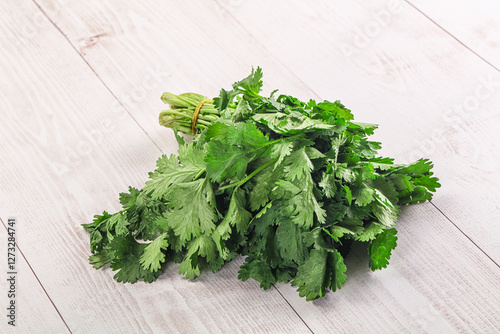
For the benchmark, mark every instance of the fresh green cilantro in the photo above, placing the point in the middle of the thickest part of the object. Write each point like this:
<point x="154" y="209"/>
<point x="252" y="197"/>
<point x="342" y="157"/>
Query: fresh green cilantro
<point x="291" y="185"/>
<point x="153" y="255"/>
<point x="381" y="247"/>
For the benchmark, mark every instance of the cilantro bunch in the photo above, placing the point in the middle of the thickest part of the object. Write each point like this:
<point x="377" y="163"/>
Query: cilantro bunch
<point x="288" y="184"/>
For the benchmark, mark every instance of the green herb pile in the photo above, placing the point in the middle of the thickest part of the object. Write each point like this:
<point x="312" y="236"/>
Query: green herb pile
<point x="288" y="184"/>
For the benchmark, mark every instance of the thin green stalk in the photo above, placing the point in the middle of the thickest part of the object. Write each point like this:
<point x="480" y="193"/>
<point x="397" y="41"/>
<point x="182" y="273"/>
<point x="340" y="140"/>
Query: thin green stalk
<point x="246" y="179"/>
<point x="199" y="174"/>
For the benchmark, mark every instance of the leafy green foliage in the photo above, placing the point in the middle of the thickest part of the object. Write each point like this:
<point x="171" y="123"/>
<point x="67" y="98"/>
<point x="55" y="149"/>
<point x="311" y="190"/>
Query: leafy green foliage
<point x="380" y="248"/>
<point x="153" y="256"/>
<point x="228" y="157"/>
<point x="289" y="184"/>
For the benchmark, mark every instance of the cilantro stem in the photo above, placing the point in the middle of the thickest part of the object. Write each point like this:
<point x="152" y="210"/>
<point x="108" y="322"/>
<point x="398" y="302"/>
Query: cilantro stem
<point x="255" y="172"/>
<point x="199" y="174"/>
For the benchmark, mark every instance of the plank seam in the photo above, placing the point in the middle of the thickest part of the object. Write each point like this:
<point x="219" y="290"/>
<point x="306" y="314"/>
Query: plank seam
<point x="458" y="228"/>
<point x="38" y="280"/>
<point x="491" y="65"/>
<point x="298" y="315"/>
<point x="452" y="36"/>
<point x="97" y="75"/>
<point x="267" y="51"/>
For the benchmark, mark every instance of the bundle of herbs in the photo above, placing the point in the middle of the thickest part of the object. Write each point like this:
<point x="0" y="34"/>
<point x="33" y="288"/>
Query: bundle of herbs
<point x="288" y="184"/>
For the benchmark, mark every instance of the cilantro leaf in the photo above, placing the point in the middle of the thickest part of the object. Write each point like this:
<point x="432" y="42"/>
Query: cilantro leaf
<point x="192" y="209"/>
<point x="322" y="270"/>
<point x="252" y="84"/>
<point x="100" y="259"/>
<point x="126" y="253"/>
<point x="228" y="158"/>
<point x="237" y="215"/>
<point x="336" y="108"/>
<point x="258" y="270"/>
<point x="286" y="124"/>
<point x="263" y="185"/>
<point x="289" y="238"/>
<point x="153" y="255"/>
<point x="202" y="246"/>
<point x="170" y="171"/>
<point x="380" y="248"/>
<point x="370" y="231"/>
<point x="385" y="211"/>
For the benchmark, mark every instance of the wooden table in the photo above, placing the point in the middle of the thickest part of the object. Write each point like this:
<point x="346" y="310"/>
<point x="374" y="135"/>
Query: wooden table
<point x="80" y="87"/>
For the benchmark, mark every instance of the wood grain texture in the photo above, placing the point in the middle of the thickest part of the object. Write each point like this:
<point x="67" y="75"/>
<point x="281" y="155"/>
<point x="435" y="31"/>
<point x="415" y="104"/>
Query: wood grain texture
<point x="475" y="24"/>
<point x="141" y="49"/>
<point x="33" y="308"/>
<point x="81" y="94"/>
<point x="431" y="96"/>
<point x="66" y="162"/>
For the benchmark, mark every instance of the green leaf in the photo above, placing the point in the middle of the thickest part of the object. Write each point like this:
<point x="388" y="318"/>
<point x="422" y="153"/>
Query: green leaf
<point x="324" y="269"/>
<point x="429" y="182"/>
<point x="99" y="222"/>
<point x="386" y="212"/>
<point x="189" y="267"/>
<point x="300" y="203"/>
<point x="337" y="270"/>
<point x="371" y="230"/>
<point x="349" y="226"/>
<point x="252" y="84"/>
<point x="298" y="164"/>
<point x="365" y="128"/>
<point x="345" y="173"/>
<point x="337" y="108"/>
<point x="289" y="238"/>
<point x="237" y="215"/>
<point x="312" y="277"/>
<point x="283" y="124"/>
<point x="348" y="194"/>
<point x="121" y="224"/>
<point x="95" y="241"/>
<point x="192" y="206"/>
<point x="202" y="246"/>
<point x="263" y="185"/>
<point x="242" y="111"/>
<point x="281" y="150"/>
<point x="146" y="227"/>
<point x="125" y="253"/>
<point x="127" y="199"/>
<point x="99" y="260"/>
<point x="417" y="168"/>
<point x="153" y="255"/>
<point x="380" y="248"/>
<point x="258" y="270"/>
<point x="228" y="158"/>
<point x="171" y="172"/>
<point x="363" y="194"/>
<point x="384" y="189"/>
<point x="329" y="184"/>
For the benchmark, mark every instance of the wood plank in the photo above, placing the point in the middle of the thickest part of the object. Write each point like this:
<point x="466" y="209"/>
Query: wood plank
<point x="70" y="150"/>
<point x="473" y="23"/>
<point x="392" y="66"/>
<point x="142" y="49"/>
<point x="395" y="75"/>
<point x="32" y="306"/>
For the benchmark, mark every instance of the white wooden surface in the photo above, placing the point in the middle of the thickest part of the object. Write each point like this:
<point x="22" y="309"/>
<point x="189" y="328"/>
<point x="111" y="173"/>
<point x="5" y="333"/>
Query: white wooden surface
<point x="80" y="85"/>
